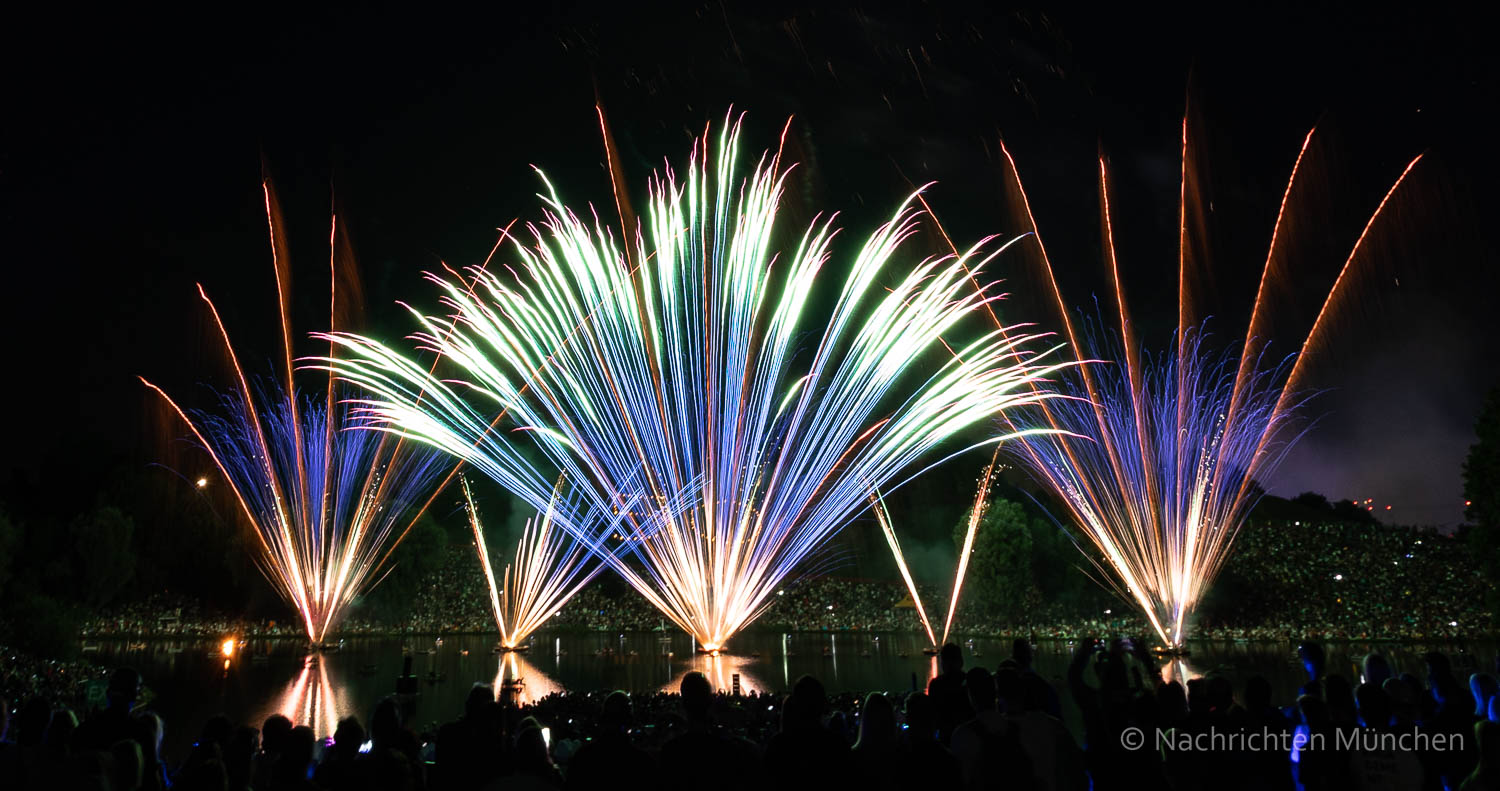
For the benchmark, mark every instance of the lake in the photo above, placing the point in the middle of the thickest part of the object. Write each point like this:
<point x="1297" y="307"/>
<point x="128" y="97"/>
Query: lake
<point x="192" y="680"/>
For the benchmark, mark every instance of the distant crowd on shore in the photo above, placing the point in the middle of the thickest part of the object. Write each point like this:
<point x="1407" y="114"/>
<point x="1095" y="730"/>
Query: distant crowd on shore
<point x="1327" y="582"/>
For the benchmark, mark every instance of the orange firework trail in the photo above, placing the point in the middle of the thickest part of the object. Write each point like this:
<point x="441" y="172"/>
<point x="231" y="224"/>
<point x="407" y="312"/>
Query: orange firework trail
<point x="976" y="515"/>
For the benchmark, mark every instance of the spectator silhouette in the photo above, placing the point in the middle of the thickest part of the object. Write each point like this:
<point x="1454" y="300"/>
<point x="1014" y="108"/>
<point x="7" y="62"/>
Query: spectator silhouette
<point x="1403" y="697"/>
<point x="1376" y="669"/>
<point x="338" y="770"/>
<point x="611" y="758"/>
<point x="988" y="746"/>
<point x="207" y="776"/>
<point x="929" y="764"/>
<point x="876" y="754"/>
<point x="239" y="757"/>
<point x="703" y="751"/>
<point x="805" y="753"/>
<point x="950" y="700"/>
<point x="1056" y="761"/>
<point x="1265" y="765"/>
<point x="147" y="731"/>
<point x="1318" y="758"/>
<point x="1021" y="652"/>
<point x="273" y="735"/>
<point x="111" y="723"/>
<point x="1315" y="662"/>
<point x="392" y="760"/>
<point x="295" y="762"/>
<point x="125" y="766"/>
<point x="1486" y="775"/>
<point x="532" y="767"/>
<point x="1484" y="688"/>
<point x="1371" y="764"/>
<point x="465" y="748"/>
<point x="1340" y="698"/>
<point x="1449" y="711"/>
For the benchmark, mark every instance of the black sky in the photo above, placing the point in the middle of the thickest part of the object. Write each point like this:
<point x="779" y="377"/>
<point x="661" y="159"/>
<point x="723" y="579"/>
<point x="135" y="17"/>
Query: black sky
<point x="132" y="143"/>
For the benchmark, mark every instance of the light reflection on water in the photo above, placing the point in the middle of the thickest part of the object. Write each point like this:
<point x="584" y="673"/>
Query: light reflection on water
<point x="531" y="683"/>
<point x="191" y="683"/>
<point x="311" y="699"/>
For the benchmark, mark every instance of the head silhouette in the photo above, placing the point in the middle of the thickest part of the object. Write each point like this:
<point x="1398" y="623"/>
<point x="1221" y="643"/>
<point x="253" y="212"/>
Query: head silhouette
<point x="273" y="733"/>
<point x="877" y="722"/>
<point x="124" y="688"/>
<point x="297" y="755"/>
<point x="696" y="696"/>
<point x="981" y="687"/>
<point x="385" y="724"/>
<point x="616" y="715"/>
<point x="1376" y="669"/>
<point x="531" y="747"/>
<point x="921" y="720"/>
<point x="348" y="737"/>
<point x="1374" y="706"/>
<point x="481" y="695"/>
<point x="951" y="658"/>
<point x="1020" y="650"/>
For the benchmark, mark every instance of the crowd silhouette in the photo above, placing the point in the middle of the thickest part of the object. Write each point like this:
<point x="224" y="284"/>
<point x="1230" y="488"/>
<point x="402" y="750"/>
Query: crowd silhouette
<point x="972" y="728"/>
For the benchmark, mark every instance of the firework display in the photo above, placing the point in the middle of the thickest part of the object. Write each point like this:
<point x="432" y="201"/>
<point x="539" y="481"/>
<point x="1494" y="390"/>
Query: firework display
<point x="976" y="515"/>
<point x="325" y="502"/>
<point x="672" y="363"/>
<point x="1162" y="466"/>
<point x="551" y="566"/>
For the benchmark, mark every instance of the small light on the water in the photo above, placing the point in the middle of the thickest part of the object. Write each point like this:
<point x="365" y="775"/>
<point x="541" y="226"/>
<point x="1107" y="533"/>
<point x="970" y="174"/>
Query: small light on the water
<point x="1338" y="577"/>
<point x="1453" y="623"/>
<point x="202" y="482"/>
<point x="227" y="648"/>
<point x="1107" y="612"/>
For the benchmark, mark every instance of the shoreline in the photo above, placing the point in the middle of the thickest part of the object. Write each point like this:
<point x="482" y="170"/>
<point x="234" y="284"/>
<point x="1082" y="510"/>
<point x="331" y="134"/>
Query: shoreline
<point x="961" y="636"/>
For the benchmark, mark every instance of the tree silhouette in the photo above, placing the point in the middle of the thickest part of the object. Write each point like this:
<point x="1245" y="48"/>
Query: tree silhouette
<point x="1000" y="567"/>
<point x="102" y="541"/>
<point x="1482" y="490"/>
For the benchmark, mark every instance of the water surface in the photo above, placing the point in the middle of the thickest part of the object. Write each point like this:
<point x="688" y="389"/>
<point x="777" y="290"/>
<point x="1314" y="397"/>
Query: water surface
<point x="191" y="680"/>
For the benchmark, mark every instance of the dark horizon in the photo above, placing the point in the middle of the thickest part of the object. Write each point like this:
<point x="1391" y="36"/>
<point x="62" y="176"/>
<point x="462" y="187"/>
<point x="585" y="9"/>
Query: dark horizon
<point x="133" y="151"/>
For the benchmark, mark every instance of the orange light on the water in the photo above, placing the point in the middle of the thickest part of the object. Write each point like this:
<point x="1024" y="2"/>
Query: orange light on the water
<point x="227" y="647"/>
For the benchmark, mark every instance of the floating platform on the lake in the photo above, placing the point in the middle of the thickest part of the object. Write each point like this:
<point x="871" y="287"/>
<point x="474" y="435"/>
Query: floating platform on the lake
<point x="509" y="649"/>
<point x="1172" y="651"/>
<point x="929" y="651"/>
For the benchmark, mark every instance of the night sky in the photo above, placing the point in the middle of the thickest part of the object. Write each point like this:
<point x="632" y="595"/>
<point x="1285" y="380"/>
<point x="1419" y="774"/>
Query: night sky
<point x="132" y="146"/>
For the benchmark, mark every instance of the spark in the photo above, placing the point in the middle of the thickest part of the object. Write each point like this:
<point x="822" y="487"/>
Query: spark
<point x="677" y="365"/>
